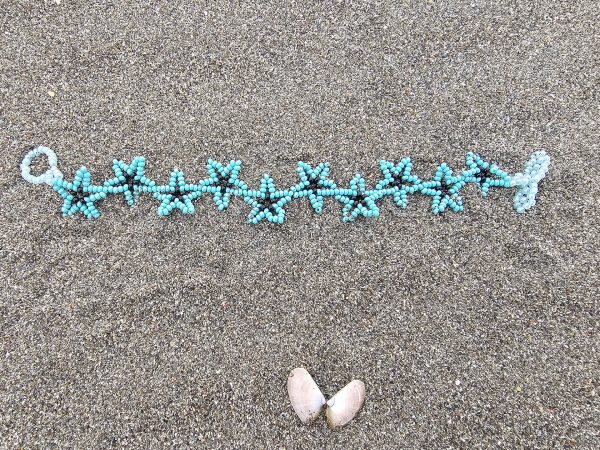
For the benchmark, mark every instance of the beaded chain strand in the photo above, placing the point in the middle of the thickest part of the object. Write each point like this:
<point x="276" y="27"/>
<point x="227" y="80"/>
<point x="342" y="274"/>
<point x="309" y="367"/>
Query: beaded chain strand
<point x="268" y="203"/>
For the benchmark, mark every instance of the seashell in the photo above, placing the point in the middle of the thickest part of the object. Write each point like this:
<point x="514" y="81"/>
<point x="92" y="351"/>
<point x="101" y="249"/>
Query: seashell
<point x="305" y="396"/>
<point x="344" y="405"/>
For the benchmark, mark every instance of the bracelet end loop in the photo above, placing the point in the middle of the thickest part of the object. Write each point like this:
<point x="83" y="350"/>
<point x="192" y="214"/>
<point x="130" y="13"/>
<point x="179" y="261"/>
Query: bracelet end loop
<point x="47" y="177"/>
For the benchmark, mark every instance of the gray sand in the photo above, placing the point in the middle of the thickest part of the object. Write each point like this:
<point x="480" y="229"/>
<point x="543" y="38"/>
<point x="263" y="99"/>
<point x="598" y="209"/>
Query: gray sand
<point x="470" y="330"/>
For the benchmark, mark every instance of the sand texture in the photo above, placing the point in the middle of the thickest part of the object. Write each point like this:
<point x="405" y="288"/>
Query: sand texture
<point x="470" y="330"/>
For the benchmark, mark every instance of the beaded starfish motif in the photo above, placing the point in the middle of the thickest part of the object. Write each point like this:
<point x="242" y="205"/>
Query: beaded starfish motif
<point x="358" y="201"/>
<point x="443" y="190"/>
<point x="312" y="184"/>
<point x="223" y="181"/>
<point x="129" y="179"/>
<point x="175" y="195"/>
<point x="268" y="203"/>
<point x="398" y="181"/>
<point x="79" y="195"/>
<point x="485" y="174"/>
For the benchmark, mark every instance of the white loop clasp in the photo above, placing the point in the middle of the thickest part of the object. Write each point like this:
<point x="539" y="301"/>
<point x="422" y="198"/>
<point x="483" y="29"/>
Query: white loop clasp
<point x="527" y="182"/>
<point x="47" y="177"/>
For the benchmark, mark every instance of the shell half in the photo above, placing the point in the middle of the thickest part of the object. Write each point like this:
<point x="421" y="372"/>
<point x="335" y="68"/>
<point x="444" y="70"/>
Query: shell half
<point x="344" y="405"/>
<point x="305" y="396"/>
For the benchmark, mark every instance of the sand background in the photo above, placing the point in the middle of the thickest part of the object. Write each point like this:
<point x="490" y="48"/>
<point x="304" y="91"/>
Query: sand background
<point x="472" y="329"/>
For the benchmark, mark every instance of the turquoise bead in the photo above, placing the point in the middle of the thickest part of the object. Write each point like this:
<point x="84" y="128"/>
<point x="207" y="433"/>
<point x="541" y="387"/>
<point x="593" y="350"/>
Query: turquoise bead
<point x="313" y="184"/>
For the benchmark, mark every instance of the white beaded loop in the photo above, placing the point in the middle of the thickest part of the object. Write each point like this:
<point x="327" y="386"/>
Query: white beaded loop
<point x="527" y="182"/>
<point x="47" y="177"/>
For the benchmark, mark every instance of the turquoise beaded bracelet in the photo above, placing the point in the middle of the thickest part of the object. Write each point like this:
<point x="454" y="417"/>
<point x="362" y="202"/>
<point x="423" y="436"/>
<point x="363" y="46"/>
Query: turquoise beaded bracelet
<point x="268" y="202"/>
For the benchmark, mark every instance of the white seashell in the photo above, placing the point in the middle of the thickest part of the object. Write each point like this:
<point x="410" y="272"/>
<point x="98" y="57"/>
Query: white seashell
<point x="344" y="405"/>
<point x="305" y="396"/>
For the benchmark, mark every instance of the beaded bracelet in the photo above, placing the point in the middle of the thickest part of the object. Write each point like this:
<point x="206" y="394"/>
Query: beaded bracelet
<point x="268" y="202"/>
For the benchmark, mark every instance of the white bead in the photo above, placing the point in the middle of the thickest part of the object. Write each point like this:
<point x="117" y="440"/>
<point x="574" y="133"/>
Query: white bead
<point x="47" y="177"/>
<point x="527" y="182"/>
